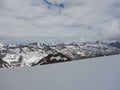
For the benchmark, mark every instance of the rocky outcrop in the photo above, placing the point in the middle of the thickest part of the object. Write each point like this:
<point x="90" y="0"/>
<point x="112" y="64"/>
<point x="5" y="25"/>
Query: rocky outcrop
<point x="53" y="58"/>
<point x="4" y="64"/>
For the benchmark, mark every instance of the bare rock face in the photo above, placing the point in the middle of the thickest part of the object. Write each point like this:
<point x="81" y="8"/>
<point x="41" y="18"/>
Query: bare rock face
<point x="54" y="58"/>
<point x="4" y="64"/>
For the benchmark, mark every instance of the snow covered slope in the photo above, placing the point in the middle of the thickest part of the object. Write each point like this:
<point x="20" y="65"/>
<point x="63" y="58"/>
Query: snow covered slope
<point x="101" y="73"/>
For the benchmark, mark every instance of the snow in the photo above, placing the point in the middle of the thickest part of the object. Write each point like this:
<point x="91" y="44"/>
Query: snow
<point x="102" y="73"/>
<point x="34" y="52"/>
<point x="1" y="45"/>
<point x="28" y="61"/>
<point x="11" y="57"/>
<point x="58" y="58"/>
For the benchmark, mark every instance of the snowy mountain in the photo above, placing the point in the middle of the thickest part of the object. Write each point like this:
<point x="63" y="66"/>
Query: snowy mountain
<point x="32" y="54"/>
<point x="115" y="44"/>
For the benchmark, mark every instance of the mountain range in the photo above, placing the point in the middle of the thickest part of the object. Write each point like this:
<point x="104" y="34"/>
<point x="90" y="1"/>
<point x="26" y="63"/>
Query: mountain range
<point x="21" y="55"/>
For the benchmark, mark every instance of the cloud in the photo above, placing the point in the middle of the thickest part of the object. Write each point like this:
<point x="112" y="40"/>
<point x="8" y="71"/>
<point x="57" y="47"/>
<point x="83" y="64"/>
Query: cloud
<point x="60" y="19"/>
<point x="112" y="30"/>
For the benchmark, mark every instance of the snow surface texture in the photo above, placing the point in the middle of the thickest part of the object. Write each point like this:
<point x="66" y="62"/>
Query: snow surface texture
<point x="32" y="54"/>
<point x="101" y="73"/>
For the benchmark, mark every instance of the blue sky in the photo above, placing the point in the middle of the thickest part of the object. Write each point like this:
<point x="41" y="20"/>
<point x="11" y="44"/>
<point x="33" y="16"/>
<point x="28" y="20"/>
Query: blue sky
<point x="59" y="20"/>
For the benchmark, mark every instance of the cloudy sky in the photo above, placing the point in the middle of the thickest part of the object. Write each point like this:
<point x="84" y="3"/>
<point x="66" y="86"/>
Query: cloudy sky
<point x="59" y="20"/>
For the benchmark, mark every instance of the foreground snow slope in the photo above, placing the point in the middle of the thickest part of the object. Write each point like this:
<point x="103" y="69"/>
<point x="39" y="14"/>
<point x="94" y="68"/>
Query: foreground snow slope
<point x="101" y="73"/>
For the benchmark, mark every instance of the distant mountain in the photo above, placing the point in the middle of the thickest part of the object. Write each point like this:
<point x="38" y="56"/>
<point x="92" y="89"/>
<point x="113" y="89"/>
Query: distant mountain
<point x="115" y="44"/>
<point x="32" y="54"/>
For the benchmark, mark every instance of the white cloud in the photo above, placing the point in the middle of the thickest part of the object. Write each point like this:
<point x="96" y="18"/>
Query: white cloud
<point x="80" y="19"/>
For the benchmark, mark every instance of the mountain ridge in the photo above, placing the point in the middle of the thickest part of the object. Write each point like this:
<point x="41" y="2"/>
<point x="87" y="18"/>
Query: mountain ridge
<point x="32" y="54"/>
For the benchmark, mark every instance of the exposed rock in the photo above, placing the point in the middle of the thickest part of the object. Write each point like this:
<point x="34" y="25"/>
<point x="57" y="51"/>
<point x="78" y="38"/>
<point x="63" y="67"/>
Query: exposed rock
<point x="54" y="58"/>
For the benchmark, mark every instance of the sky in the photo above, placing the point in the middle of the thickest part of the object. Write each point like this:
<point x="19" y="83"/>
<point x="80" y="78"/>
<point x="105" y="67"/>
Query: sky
<point x="59" y="20"/>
